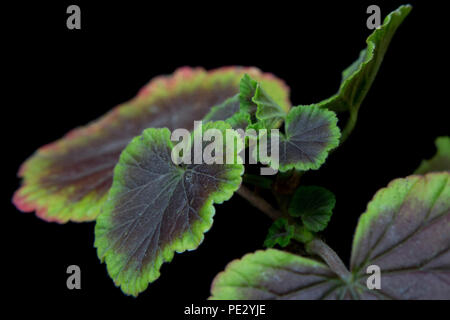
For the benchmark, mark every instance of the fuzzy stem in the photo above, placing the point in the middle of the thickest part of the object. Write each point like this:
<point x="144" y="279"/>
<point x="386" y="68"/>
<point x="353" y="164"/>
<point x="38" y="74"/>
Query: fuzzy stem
<point x="259" y="203"/>
<point x="320" y="248"/>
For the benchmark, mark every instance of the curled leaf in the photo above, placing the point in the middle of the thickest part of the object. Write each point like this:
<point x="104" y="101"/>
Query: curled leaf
<point x="280" y="232"/>
<point x="69" y="178"/>
<point x="358" y="77"/>
<point x="268" y="113"/>
<point x="247" y="88"/>
<point x="156" y="207"/>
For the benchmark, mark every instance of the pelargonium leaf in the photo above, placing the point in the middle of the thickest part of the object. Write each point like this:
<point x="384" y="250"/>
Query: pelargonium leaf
<point x="269" y="114"/>
<point x="310" y="133"/>
<point x="240" y="120"/>
<point x="266" y="112"/>
<point x="280" y="232"/>
<point x="247" y="88"/>
<point x="252" y="104"/>
<point x="156" y="208"/>
<point x="358" y="77"/>
<point x="69" y="179"/>
<point x="273" y="274"/>
<point x="405" y="232"/>
<point x="314" y="205"/>
<point x="440" y="161"/>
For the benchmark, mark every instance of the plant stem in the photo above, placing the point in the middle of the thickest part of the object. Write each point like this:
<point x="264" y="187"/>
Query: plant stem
<point x="349" y="126"/>
<point x="320" y="248"/>
<point x="259" y="203"/>
<point x="314" y="246"/>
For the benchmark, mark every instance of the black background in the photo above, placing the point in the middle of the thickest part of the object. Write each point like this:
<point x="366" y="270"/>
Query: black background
<point x="63" y="78"/>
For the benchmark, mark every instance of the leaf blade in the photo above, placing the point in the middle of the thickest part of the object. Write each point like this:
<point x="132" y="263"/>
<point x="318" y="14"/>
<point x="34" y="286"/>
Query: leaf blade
<point x="273" y="274"/>
<point x="156" y="208"/>
<point x="358" y="77"/>
<point x="310" y="133"/>
<point x="68" y="180"/>
<point x="406" y="232"/>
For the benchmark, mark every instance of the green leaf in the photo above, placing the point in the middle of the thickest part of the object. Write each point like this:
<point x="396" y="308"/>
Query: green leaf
<point x="240" y="120"/>
<point x="68" y="180"/>
<point x="310" y="133"/>
<point x="440" y="161"/>
<point x="405" y="232"/>
<point x="247" y="88"/>
<point x="156" y="208"/>
<point x="267" y="113"/>
<point x="358" y="78"/>
<point x="314" y="205"/>
<point x="273" y="274"/>
<point x="280" y="232"/>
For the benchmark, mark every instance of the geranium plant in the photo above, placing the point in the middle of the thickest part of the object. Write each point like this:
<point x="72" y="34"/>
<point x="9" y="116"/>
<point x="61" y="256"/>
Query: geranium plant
<point x="119" y="171"/>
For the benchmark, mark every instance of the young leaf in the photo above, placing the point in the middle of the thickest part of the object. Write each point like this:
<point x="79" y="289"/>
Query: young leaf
<point x="269" y="114"/>
<point x="310" y="133"/>
<point x="69" y="179"/>
<point x="273" y="274"/>
<point x="440" y="161"/>
<point x="358" y="78"/>
<point x="252" y="104"/>
<point x="280" y="232"/>
<point x="156" y="208"/>
<point x="240" y="120"/>
<point x="247" y="88"/>
<point x="405" y="232"/>
<point x="314" y="205"/>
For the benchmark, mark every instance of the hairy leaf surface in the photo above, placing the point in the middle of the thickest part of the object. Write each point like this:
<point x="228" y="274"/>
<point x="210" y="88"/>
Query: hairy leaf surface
<point x="405" y="232"/>
<point x="156" y="208"/>
<point x="69" y="179"/>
